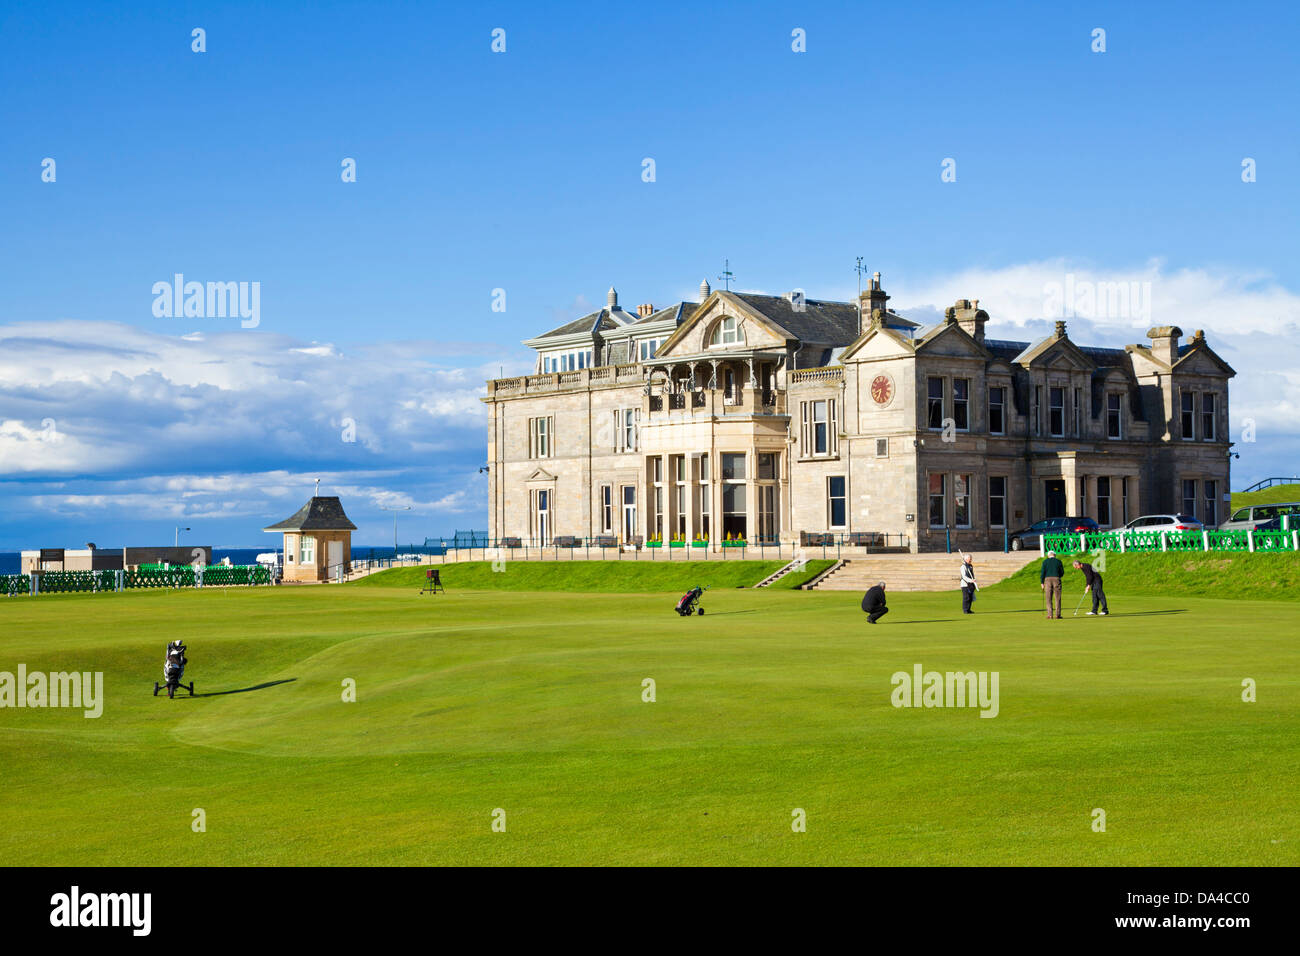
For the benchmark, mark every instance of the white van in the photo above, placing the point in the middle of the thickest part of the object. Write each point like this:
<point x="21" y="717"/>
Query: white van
<point x="1245" y="519"/>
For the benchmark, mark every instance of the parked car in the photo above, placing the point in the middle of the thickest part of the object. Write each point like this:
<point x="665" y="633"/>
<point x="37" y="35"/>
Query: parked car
<point x="1275" y="524"/>
<point x="1244" y="519"/>
<point x="1165" y="523"/>
<point x="1029" y="537"/>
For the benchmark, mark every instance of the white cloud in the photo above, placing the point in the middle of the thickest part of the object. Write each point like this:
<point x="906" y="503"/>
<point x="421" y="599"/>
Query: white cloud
<point x="1250" y="319"/>
<point x="125" y="399"/>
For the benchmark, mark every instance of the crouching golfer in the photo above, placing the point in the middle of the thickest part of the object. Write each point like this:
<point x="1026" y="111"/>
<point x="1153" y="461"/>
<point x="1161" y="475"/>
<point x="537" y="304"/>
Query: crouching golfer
<point x="873" y="603"/>
<point x="1094" y="585"/>
<point x="1050" y="575"/>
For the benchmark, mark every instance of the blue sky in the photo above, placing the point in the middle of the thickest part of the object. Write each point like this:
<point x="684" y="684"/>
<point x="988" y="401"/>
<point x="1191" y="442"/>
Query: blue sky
<point x="522" y="170"/>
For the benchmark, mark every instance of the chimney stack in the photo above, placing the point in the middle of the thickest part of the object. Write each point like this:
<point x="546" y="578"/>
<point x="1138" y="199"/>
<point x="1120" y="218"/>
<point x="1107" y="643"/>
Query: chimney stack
<point x="873" y="299"/>
<point x="611" y="299"/>
<point x="970" y="317"/>
<point x="704" y="289"/>
<point x="1164" y="342"/>
<point x="644" y="309"/>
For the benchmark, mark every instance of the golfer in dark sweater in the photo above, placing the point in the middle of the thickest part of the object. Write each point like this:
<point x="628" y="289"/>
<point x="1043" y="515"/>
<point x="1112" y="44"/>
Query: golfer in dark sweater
<point x="1050" y="575"/>
<point x="873" y="603"/>
<point x="1093" y="580"/>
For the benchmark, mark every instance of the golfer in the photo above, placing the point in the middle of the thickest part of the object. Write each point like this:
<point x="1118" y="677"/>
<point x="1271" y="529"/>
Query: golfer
<point x="1094" y="585"/>
<point x="968" y="585"/>
<point x="1050" y="576"/>
<point x="873" y="603"/>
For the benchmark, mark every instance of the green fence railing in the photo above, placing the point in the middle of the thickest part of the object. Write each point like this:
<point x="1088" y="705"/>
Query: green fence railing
<point x="15" y="584"/>
<point x="56" y="582"/>
<point x="1178" y="541"/>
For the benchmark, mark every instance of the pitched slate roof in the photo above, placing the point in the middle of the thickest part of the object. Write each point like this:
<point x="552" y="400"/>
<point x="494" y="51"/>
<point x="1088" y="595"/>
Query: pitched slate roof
<point x="1005" y="349"/>
<point x="680" y="311"/>
<point x="1104" y="357"/>
<point x="318" y="514"/>
<point x="834" y="323"/>
<point x="588" y="323"/>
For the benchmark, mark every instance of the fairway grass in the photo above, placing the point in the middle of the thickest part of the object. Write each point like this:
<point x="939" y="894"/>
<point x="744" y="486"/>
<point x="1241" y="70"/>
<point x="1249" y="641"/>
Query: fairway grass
<point x="631" y="577"/>
<point x="532" y="702"/>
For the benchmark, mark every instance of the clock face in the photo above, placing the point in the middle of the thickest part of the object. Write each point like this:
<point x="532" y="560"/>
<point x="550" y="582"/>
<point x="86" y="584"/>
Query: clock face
<point x="882" y="389"/>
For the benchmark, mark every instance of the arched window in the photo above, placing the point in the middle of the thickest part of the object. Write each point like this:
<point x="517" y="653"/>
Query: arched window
<point x="727" y="332"/>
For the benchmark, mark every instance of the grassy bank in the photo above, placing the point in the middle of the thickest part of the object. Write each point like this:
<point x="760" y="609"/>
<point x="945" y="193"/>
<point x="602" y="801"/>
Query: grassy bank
<point x="627" y="577"/>
<point x="1266" y="496"/>
<point x="1247" y="576"/>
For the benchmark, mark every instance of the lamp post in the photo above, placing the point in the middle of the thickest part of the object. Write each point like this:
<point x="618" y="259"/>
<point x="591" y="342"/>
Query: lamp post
<point x="176" y="540"/>
<point x="395" y="510"/>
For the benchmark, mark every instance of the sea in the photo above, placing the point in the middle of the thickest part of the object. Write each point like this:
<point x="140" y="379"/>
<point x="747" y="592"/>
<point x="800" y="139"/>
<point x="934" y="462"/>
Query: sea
<point x="11" y="562"/>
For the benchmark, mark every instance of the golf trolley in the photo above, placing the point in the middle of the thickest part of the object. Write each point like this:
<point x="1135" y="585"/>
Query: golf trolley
<point x="689" y="602"/>
<point x="174" y="670"/>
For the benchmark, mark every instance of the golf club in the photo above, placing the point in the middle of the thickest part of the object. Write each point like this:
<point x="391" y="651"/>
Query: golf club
<point x="1080" y="604"/>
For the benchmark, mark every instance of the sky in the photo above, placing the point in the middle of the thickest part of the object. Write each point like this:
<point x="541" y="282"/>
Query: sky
<point x="964" y="150"/>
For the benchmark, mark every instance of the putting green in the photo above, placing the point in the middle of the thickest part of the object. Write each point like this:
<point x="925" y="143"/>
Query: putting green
<point x="532" y="703"/>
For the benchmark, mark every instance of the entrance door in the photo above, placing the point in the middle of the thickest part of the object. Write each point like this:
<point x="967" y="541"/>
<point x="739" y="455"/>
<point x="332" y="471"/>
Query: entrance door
<point x="767" y="500"/>
<point x="335" y="556"/>
<point x="543" y="516"/>
<point x="1055" y="497"/>
<point x="629" y="513"/>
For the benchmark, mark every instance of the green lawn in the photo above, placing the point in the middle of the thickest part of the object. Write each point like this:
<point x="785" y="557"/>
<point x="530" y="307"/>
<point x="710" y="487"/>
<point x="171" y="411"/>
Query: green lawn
<point x="1265" y="496"/>
<point x="1235" y="575"/>
<point x="531" y="702"/>
<point x="641" y="576"/>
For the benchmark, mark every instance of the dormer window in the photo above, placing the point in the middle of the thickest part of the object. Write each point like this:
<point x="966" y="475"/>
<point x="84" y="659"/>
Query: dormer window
<point x="1114" y="421"/>
<point x="727" y="332"/>
<point x="1207" y="416"/>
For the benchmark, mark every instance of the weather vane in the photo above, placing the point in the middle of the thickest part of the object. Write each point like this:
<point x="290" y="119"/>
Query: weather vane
<point x="727" y="274"/>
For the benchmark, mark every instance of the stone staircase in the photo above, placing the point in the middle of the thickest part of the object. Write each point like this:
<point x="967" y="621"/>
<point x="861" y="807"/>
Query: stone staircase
<point x="922" y="572"/>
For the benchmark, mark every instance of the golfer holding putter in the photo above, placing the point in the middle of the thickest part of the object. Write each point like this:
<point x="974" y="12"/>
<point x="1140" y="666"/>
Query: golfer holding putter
<point x="1094" y="585"/>
<point x="1050" y="575"/>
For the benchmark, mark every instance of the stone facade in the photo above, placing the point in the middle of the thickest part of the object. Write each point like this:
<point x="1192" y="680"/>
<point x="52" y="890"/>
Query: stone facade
<point x="766" y="416"/>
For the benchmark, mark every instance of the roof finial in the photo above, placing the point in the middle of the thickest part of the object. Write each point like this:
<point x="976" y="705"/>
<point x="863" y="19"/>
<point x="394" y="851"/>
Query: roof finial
<point x="317" y="494"/>
<point x="1060" y="328"/>
<point x="704" y="289"/>
<point x="611" y="299"/>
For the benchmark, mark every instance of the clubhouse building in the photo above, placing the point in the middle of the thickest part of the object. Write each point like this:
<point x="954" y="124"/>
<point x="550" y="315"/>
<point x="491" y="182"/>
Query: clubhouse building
<point x="771" y="418"/>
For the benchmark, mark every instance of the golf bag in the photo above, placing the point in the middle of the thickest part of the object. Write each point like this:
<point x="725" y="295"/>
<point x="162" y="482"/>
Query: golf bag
<point x="174" y="669"/>
<point x="690" y="602"/>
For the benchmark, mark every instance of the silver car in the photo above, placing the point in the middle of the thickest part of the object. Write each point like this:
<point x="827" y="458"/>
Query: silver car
<point x="1245" y="519"/>
<point x="1165" y="523"/>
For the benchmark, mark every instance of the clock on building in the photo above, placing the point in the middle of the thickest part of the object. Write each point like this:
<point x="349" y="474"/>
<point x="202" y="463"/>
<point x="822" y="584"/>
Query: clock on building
<point x="882" y="389"/>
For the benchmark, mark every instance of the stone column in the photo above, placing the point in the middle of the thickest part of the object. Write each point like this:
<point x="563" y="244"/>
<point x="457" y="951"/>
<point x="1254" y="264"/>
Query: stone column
<point x="692" y="492"/>
<point x="751" y="494"/>
<point x="670" y="499"/>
